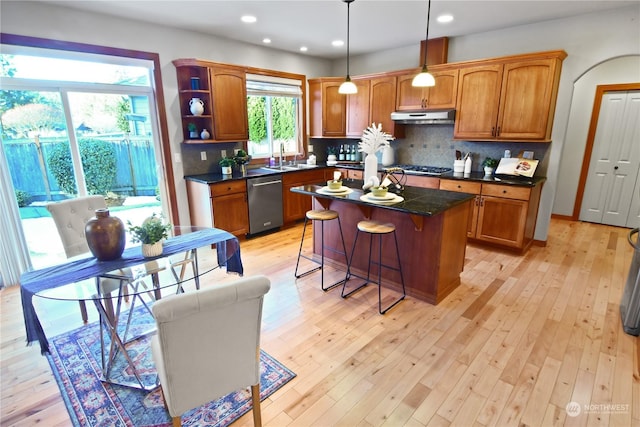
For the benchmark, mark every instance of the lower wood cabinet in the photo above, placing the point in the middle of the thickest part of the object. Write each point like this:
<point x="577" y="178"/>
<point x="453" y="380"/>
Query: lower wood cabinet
<point x="503" y="215"/>
<point x="422" y="181"/>
<point x="350" y="174"/>
<point x="295" y="205"/>
<point x="221" y="205"/>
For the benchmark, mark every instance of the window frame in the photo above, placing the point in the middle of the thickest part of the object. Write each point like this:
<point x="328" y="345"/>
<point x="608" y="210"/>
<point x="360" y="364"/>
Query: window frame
<point x="275" y="76"/>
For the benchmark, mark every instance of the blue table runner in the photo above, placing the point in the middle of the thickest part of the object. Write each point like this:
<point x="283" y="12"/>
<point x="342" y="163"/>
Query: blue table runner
<point x="32" y="282"/>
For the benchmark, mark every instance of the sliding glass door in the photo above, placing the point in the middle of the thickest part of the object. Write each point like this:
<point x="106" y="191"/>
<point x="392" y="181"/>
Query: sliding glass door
<point x="69" y="139"/>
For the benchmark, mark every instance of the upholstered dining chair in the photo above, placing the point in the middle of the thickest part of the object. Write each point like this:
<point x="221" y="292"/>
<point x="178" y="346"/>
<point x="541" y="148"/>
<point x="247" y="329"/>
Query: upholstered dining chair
<point x="70" y="217"/>
<point x="208" y="344"/>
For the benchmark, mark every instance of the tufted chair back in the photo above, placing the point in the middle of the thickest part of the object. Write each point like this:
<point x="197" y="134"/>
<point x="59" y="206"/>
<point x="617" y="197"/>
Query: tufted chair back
<point x="70" y="217"/>
<point x="208" y="344"/>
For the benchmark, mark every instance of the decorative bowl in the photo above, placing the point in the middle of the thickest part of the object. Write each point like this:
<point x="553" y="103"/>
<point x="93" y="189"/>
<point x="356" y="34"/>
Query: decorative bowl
<point x="334" y="185"/>
<point x="379" y="191"/>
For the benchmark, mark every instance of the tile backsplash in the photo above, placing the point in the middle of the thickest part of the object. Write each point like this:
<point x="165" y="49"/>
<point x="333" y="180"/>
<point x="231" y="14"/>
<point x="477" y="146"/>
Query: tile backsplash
<point x="433" y="145"/>
<point x="430" y="145"/>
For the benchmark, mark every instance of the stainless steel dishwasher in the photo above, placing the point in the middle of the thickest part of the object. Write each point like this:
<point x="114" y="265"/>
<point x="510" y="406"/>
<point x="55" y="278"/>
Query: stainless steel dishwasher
<point x="265" y="203"/>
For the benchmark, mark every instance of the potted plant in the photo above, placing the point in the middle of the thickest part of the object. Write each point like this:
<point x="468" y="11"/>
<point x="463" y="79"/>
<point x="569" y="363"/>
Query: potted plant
<point x="331" y="156"/>
<point x="193" y="131"/>
<point x="489" y="165"/>
<point x="242" y="158"/>
<point x="151" y="234"/>
<point x="227" y="163"/>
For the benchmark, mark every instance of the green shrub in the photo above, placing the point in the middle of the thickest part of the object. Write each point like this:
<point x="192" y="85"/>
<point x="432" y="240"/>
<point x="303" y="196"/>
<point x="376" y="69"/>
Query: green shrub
<point x="98" y="161"/>
<point x="22" y="197"/>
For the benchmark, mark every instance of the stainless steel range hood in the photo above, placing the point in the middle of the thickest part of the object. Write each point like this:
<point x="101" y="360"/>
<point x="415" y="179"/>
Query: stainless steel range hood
<point x="435" y="117"/>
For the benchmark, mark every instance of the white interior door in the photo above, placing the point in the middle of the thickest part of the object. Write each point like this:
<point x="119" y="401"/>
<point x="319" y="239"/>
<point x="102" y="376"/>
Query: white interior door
<point x="615" y="161"/>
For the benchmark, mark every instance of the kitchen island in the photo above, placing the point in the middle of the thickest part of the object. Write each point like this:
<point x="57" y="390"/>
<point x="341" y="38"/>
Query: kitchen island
<point x="430" y="226"/>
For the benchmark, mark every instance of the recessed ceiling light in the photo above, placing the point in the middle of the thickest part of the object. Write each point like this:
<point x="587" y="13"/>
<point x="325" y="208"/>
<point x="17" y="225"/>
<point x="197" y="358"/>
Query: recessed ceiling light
<point x="337" y="43"/>
<point x="248" y="19"/>
<point x="266" y="40"/>
<point x="443" y="19"/>
<point x="303" y="49"/>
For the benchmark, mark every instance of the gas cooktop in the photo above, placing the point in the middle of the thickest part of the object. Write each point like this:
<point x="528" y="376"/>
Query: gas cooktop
<point x="423" y="170"/>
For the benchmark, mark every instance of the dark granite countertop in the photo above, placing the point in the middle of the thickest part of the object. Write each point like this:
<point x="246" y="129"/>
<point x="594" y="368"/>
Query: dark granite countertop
<point x="212" y="178"/>
<point x="473" y="176"/>
<point x="481" y="177"/>
<point x="419" y="201"/>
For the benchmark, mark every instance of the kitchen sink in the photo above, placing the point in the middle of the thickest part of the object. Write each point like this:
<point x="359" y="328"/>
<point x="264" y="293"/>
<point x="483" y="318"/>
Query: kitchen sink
<point x="300" y="166"/>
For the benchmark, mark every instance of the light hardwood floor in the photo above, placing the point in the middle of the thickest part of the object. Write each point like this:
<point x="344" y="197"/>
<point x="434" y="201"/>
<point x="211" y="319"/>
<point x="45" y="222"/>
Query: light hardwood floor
<point x="519" y="339"/>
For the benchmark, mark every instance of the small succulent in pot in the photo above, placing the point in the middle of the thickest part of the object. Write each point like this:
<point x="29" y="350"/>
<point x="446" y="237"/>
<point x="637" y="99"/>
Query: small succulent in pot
<point x="193" y="130"/>
<point x="489" y="165"/>
<point x="490" y="162"/>
<point x="226" y="163"/>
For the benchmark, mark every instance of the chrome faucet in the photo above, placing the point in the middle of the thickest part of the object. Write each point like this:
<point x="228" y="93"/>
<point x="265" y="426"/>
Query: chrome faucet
<point x="281" y="153"/>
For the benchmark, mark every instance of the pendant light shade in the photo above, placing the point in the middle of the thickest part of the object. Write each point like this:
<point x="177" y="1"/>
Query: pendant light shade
<point x="425" y="79"/>
<point x="348" y="87"/>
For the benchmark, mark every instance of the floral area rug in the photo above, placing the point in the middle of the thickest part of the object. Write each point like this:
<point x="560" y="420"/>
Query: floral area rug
<point x="76" y="364"/>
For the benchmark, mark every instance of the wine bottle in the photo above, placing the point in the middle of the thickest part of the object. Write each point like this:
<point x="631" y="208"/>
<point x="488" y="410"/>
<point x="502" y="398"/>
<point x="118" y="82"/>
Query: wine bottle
<point x="341" y="153"/>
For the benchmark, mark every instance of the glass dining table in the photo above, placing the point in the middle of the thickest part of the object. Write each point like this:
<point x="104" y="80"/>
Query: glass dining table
<point x="115" y="287"/>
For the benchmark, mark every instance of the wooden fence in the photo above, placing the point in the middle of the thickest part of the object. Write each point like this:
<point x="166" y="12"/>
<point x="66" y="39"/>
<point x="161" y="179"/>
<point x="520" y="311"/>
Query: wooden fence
<point x="135" y="166"/>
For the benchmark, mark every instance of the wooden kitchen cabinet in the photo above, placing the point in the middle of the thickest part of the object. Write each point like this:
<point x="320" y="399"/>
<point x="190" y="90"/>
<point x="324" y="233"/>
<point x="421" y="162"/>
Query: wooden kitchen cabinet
<point x="221" y="205"/>
<point x="296" y="205"/>
<point x="422" y="181"/>
<point x="327" y="108"/>
<point x="229" y="91"/>
<point x="224" y="94"/>
<point x="351" y="173"/>
<point x="511" y="98"/>
<point x="466" y="187"/>
<point x="358" y="108"/>
<point x="503" y="215"/>
<point x="438" y="97"/>
<point x="374" y="103"/>
<point x="382" y="102"/>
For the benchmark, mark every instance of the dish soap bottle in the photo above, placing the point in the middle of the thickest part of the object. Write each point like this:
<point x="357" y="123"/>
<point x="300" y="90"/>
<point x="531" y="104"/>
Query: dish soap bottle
<point x="467" y="163"/>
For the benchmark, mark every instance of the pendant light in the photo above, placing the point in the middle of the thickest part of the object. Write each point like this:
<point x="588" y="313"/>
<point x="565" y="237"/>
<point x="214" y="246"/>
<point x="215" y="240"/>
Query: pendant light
<point x="348" y="87"/>
<point x="425" y="79"/>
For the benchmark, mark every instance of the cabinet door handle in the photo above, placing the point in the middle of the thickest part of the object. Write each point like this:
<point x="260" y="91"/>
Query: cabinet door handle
<point x="481" y="201"/>
<point x="498" y="131"/>
<point x="615" y="168"/>
<point x="493" y="131"/>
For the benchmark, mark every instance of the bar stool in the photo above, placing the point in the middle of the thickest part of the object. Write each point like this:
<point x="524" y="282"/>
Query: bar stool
<point x="322" y="215"/>
<point x="375" y="228"/>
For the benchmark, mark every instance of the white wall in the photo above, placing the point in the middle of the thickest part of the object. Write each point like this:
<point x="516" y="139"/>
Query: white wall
<point x="624" y="69"/>
<point x="589" y="40"/>
<point x="37" y="19"/>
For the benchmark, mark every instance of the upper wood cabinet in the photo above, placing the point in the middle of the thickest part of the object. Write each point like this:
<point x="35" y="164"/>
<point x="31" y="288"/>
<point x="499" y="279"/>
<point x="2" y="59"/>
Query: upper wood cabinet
<point x="229" y="91"/>
<point x="374" y="103"/>
<point x="223" y="91"/>
<point x="440" y="96"/>
<point x="327" y="108"/>
<point x="358" y="108"/>
<point x="509" y="99"/>
<point x="382" y="96"/>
